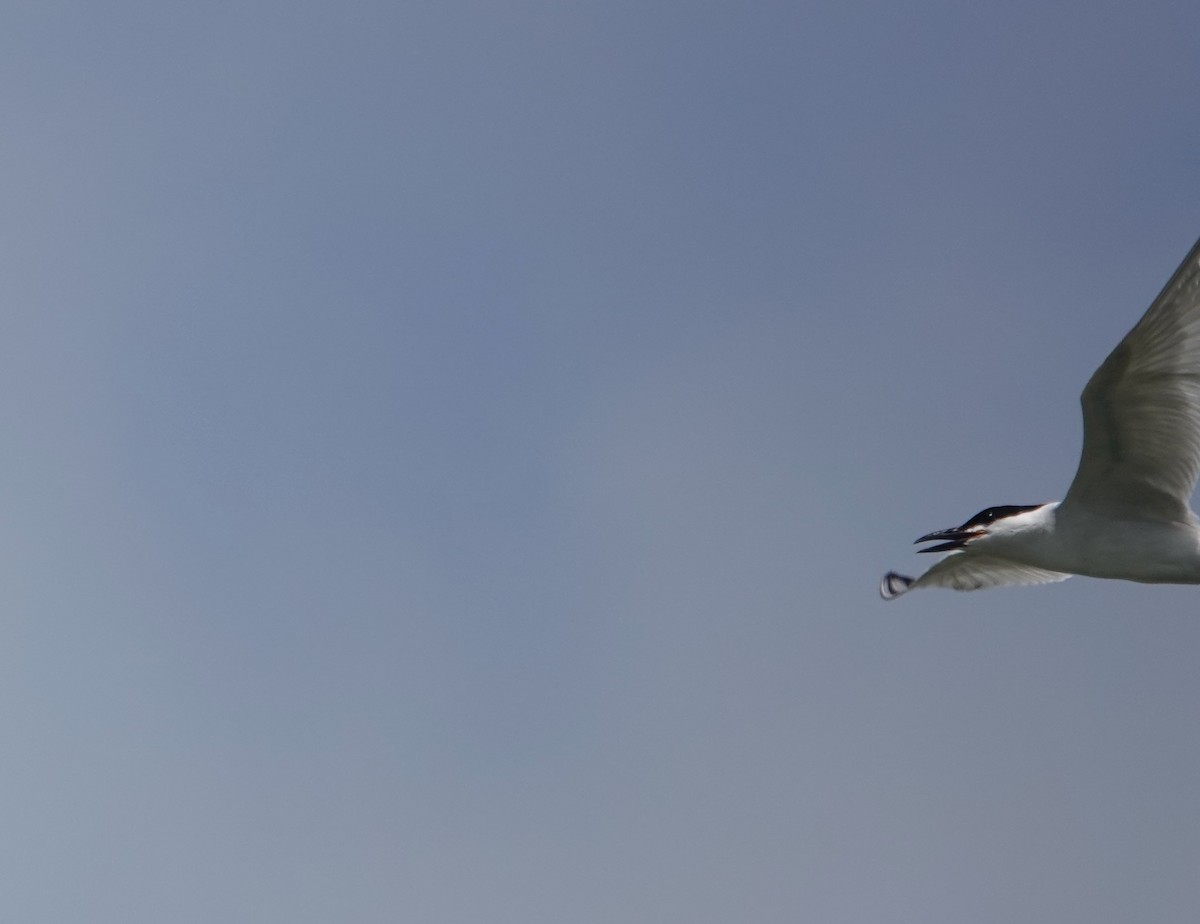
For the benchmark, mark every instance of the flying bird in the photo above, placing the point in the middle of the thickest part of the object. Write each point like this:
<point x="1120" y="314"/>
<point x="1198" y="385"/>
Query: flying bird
<point x="1126" y="514"/>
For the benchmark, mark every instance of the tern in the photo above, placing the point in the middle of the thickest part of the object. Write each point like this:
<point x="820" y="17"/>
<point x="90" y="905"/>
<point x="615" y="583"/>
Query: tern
<point x="1126" y="514"/>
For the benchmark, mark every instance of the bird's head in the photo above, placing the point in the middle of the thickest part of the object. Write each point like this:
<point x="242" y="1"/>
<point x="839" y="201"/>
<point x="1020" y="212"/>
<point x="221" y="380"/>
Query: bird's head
<point x="992" y="522"/>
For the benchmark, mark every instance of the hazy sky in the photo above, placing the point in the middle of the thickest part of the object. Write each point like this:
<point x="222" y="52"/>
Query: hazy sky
<point x="452" y="449"/>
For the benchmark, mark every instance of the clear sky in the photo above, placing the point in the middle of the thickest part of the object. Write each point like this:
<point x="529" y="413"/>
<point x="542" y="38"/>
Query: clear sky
<point x="452" y="449"/>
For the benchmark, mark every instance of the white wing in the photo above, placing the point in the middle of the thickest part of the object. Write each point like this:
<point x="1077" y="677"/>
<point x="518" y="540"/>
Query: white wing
<point x="1141" y="412"/>
<point x="963" y="571"/>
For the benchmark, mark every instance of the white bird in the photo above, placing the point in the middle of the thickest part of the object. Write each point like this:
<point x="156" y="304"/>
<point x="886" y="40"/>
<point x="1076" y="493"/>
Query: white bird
<point x="1126" y="514"/>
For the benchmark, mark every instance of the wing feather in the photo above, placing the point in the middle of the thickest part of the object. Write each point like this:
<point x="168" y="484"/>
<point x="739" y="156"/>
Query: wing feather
<point x="964" y="571"/>
<point x="1141" y="412"/>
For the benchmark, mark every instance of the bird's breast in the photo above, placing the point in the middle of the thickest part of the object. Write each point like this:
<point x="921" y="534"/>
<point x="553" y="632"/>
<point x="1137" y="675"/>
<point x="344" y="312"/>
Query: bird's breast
<point x="1127" y="550"/>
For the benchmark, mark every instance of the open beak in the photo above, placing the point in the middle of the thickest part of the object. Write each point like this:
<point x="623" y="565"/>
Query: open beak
<point x="949" y="540"/>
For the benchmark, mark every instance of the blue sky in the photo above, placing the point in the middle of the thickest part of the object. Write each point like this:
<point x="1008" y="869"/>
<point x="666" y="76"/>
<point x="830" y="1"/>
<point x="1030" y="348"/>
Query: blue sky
<point x="453" y="448"/>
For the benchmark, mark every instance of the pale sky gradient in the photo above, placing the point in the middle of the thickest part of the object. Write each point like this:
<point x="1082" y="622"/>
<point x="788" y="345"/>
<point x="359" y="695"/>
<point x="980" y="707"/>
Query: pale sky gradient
<point x="452" y="449"/>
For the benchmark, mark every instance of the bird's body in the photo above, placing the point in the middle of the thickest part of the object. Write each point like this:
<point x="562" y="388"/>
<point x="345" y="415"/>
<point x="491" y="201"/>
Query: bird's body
<point x="1126" y="514"/>
<point x="1078" y="541"/>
